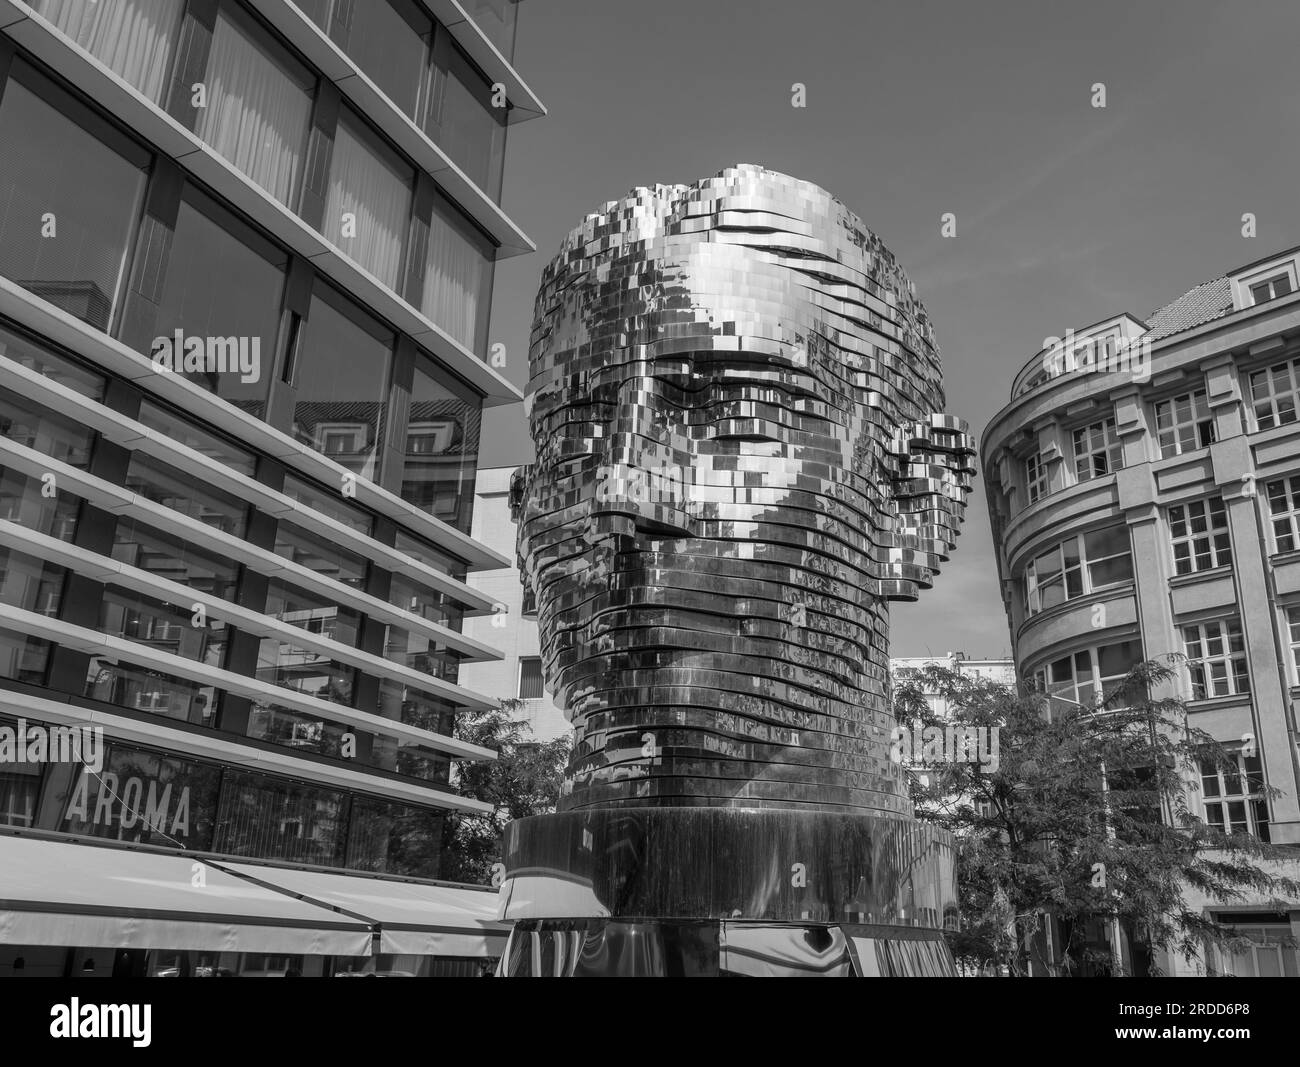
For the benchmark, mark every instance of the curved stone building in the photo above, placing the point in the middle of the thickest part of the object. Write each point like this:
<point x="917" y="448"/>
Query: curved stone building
<point x="741" y="458"/>
<point x="1144" y="490"/>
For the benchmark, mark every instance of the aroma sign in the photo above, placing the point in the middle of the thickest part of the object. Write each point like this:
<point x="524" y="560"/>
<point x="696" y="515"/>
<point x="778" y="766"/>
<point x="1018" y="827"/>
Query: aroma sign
<point x="132" y="802"/>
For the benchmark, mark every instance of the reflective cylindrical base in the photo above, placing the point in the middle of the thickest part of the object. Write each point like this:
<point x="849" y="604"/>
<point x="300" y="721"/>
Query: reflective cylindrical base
<point x="700" y="890"/>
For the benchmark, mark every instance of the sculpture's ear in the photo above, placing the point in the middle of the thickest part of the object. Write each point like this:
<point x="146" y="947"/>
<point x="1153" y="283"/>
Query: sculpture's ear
<point x="931" y="465"/>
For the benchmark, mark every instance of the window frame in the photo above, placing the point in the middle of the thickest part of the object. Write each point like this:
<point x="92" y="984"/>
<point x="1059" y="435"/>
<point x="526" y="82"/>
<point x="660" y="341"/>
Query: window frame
<point x="1217" y="527"/>
<point x="1086" y="452"/>
<point x="1197" y="637"/>
<point x="1203" y="430"/>
<point x="1082" y="566"/>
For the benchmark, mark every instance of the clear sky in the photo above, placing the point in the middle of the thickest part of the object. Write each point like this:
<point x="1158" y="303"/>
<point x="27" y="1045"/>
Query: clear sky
<point x="1065" y="213"/>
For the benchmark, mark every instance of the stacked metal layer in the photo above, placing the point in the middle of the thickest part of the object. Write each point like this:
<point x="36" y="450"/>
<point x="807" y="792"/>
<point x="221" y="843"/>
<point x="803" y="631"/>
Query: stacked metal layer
<point x="740" y="461"/>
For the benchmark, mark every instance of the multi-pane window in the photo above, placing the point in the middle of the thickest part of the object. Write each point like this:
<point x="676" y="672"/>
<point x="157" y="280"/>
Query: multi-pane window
<point x="1088" y="676"/>
<point x="1216" y="655"/>
<point x="1097" y="450"/>
<point x="1270" y="288"/>
<point x="1234" y="797"/>
<point x="1274" y="392"/>
<point x="1198" y="532"/>
<point x="342" y="382"/>
<point x="1036" y="477"/>
<point x="1284" y="512"/>
<point x="530" y="678"/>
<point x="1270" y="953"/>
<point x="1184" y="423"/>
<point x="1293" y="632"/>
<point x="1086" y="563"/>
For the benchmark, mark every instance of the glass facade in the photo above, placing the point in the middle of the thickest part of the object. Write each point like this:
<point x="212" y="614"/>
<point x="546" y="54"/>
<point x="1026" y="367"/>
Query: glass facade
<point x="166" y="250"/>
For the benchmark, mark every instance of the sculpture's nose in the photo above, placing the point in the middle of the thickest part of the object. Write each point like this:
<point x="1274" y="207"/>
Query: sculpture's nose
<point x="644" y="474"/>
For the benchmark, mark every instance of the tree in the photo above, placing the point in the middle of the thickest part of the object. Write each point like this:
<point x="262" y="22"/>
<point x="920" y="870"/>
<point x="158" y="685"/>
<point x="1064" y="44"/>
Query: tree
<point x="1082" y="821"/>
<point x="523" y="780"/>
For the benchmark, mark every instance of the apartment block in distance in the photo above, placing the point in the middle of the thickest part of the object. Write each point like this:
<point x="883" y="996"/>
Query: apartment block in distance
<point x="1144" y="488"/>
<point x="246" y="262"/>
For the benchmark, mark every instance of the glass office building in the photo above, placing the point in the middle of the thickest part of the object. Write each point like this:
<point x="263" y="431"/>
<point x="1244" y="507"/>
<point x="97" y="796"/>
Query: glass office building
<point x="246" y="262"/>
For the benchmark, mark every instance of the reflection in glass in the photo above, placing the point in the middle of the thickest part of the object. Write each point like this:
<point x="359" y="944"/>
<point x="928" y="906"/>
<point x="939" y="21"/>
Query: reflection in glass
<point x="23" y="502"/>
<point x="174" y="558"/>
<point x="68" y="203"/>
<point x="155" y="624"/>
<point x="35" y="426"/>
<point x="165" y="485"/>
<point x="391" y="838"/>
<point x="223" y="282"/>
<point x="140" y="688"/>
<point x="463" y="122"/>
<point x="441" y="448"/>
<point x="342" y="381"/>
<point x="279" y="820"/>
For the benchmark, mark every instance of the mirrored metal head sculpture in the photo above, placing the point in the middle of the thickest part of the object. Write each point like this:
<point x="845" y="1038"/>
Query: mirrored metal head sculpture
<point x="741" y="457"/>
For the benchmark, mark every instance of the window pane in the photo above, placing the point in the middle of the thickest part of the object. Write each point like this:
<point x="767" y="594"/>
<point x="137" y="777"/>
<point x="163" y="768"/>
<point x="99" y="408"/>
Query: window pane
<point x="465" y="125"/>
<point x="258" y="104"/>
<point x="342" y="382"/>
<point x="368" y="208"/>
<point x="279" y="820"/>
<point x="133" y="38"/>
<point x="68" y="204"/>
<point x="222" y="288"/>
<point x="458" y="277"/>
<point x="498" y="19"/>
<point x="441" y="448"/>
<point x="530" y="678"/>
<point x="388" y="40"/>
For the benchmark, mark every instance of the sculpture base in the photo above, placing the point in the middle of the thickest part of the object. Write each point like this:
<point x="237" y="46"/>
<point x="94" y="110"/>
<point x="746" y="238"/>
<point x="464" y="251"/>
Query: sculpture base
<point x="717" y="891"/>
<point x="599" y="948"/>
